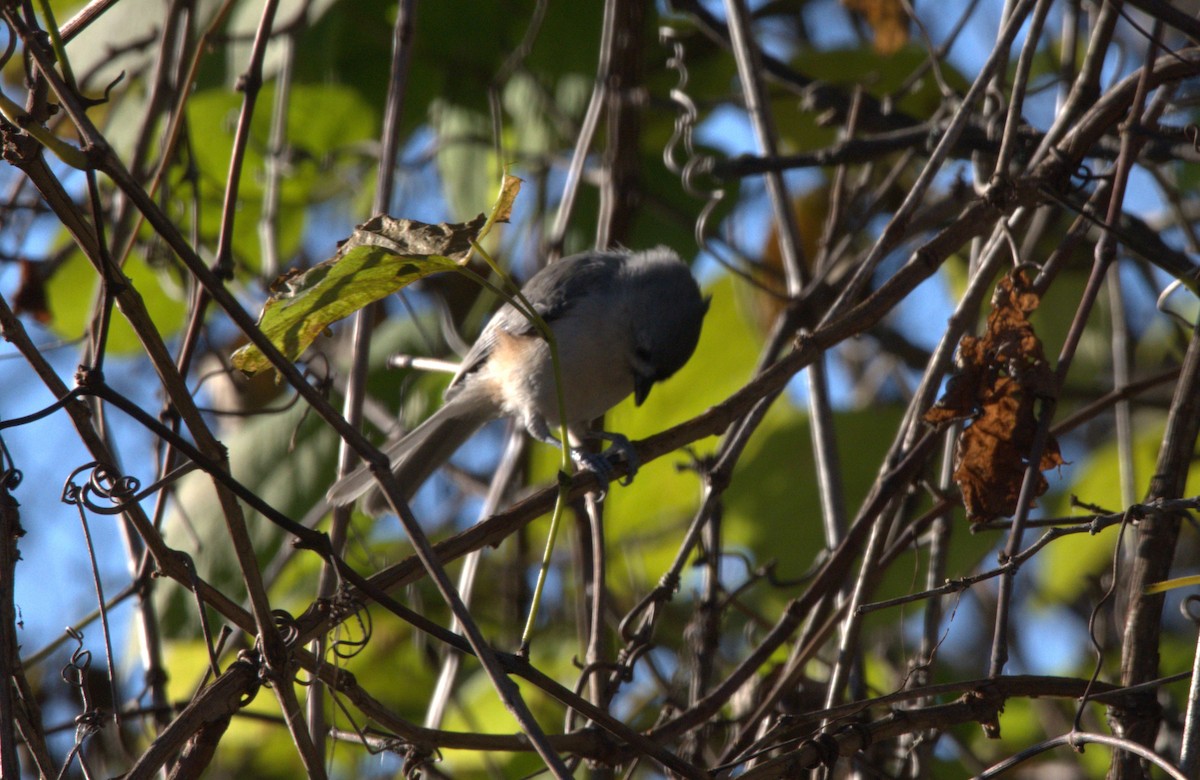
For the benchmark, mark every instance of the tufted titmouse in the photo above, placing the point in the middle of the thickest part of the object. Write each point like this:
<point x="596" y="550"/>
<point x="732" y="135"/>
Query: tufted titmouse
<point x="622" y="322"/>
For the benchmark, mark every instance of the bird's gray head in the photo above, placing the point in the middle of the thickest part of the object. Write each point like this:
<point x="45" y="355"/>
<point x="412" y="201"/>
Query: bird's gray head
<point x="666" y="313"/>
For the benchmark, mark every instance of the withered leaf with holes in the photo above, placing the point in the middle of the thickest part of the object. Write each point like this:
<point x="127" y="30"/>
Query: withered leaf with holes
<point x="999" y="380"/>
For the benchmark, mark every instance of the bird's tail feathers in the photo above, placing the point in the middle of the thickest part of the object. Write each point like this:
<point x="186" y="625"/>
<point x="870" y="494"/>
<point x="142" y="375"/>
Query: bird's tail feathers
<point x="415" y="456"/>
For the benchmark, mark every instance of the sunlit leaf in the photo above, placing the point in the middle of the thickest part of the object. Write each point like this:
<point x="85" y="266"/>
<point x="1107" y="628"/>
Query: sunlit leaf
<point x="382" y="256"/>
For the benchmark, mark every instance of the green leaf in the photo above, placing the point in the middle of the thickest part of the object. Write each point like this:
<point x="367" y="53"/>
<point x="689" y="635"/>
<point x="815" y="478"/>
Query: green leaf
<point x="465" y="157"/>
<point x="288" y="459"/>
<point x="774" y="508"/>
<point x="72" y="293"/>
<point x="382" y="256"/>
<point x="478" y="708"/>
<point x="1069" y="566"/>
<point x="325" y="125"/>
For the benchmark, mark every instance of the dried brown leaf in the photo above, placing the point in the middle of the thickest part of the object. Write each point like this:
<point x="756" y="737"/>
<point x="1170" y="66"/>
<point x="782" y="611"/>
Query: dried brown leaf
<point x="1000" y="378"/>
<point x="888" y="20"/>
<point x="30" y="297"/>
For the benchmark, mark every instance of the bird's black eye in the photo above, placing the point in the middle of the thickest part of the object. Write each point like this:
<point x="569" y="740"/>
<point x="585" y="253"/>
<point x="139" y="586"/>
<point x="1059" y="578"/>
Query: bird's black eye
<point x="642" y="365"/>
<point x="643" y="361"/>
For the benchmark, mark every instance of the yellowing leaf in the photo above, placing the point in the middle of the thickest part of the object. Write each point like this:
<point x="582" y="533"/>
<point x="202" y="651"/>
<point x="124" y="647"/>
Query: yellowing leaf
<point x="382" y="256"/>
<point x="510" y="187"/>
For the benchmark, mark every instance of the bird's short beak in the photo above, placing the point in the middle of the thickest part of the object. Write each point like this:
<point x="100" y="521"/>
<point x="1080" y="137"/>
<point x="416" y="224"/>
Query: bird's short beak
<point x="641" y="388"/>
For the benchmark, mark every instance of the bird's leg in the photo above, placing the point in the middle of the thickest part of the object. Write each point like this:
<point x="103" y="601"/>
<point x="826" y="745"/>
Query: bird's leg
<point x="620" y="445"/>
<point x="597" y="463"/>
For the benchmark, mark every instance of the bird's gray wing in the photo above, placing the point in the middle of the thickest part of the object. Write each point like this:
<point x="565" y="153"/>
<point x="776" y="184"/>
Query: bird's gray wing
<point x="551" y="291"/>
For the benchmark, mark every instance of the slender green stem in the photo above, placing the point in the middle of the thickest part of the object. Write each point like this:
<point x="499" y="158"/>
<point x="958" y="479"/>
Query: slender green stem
<point x="56" y="42"/>
<point x="555" y="523"/>
<point x="63" y="150"/>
